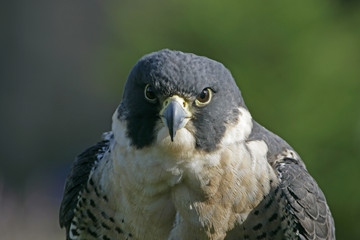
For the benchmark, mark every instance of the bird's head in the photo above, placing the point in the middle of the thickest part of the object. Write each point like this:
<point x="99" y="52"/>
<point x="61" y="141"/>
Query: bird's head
<point x="174" y="99"/>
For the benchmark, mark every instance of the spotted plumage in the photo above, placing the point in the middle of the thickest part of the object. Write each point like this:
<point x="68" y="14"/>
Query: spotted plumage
<point x="185" y="160"/>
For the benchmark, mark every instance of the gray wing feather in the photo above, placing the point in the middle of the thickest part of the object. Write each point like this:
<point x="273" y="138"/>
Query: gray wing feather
<point x="77" y="179"/>
<point x="306" y="201"/>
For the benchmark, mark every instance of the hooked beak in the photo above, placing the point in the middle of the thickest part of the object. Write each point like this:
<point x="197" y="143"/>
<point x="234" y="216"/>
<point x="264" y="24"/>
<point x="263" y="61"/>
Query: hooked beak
<point x="175" y="114"/>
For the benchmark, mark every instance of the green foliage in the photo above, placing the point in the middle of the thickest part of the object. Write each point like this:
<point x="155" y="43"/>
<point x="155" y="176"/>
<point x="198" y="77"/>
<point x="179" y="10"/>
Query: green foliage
<point x="296" y="62"/>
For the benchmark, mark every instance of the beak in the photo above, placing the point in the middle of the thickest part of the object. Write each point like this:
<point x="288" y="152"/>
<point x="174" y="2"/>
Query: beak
<point x="175" y="114"/>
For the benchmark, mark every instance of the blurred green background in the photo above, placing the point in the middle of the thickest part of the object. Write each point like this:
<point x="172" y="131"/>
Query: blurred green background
<point x="64" y="63"/>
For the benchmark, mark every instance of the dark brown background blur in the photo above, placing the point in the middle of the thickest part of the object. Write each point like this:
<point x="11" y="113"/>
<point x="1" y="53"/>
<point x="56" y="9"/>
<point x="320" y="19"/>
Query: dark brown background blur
<point x="64" y="63"/>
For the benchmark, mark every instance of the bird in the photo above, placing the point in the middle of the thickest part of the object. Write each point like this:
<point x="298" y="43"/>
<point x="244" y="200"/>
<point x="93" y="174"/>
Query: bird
<point x="184" y="159"/>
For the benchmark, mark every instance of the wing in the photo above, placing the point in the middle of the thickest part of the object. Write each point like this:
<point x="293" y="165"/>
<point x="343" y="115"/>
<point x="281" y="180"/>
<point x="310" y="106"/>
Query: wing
<point x="77" y="180"/>
<point x="305" y="200"/>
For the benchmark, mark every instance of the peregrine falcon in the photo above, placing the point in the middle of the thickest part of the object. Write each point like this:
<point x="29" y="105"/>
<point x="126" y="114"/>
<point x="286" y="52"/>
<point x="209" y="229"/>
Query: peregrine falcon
<point x="185" y="160"/>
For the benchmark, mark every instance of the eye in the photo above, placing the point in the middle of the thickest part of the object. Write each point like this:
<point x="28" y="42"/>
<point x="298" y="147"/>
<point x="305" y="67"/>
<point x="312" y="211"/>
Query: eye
<point x="204" y="97"/>
<point x="149" y="93"/>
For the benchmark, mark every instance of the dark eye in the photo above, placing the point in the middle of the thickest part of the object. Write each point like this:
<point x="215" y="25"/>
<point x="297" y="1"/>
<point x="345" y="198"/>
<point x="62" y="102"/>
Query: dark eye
<point x="149" y="93"/>
<point x="204" y="97"/>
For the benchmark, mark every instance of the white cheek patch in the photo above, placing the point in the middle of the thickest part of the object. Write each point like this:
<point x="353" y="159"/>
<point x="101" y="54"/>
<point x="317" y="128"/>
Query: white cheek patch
<point x="239" y="131"/>
<point x="118" y="128"/>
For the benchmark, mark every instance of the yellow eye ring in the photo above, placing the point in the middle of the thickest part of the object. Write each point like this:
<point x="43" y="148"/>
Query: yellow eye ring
<point x="149" y="94"/>
<point x="204" y="97"/>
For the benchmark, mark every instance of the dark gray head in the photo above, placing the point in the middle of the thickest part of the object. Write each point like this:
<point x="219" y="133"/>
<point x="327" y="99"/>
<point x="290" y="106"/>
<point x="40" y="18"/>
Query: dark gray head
<point x="179" y="89"/>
